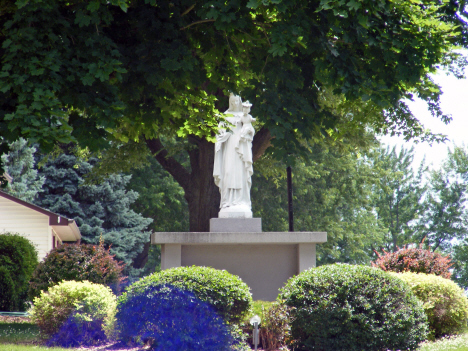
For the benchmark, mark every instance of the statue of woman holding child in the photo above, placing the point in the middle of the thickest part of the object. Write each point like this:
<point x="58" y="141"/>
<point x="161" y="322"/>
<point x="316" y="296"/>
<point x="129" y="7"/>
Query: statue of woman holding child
<point x="233" y="160"/>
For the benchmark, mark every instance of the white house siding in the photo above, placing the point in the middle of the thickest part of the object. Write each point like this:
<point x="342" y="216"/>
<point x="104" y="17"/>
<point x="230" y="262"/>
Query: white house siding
<point x="32" y="224"/>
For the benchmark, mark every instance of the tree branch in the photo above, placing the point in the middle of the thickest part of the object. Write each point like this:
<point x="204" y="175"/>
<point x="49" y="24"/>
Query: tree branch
<point x="180" y="174"/>
<point x="261" y="142"/>
<point x="197" y="22"/>
<point x="188" y="10"/>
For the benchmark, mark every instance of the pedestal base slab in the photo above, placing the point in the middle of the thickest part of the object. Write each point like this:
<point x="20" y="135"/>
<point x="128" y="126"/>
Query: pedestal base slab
<point x="236" y="225"/>
<point x="264" y="261"/>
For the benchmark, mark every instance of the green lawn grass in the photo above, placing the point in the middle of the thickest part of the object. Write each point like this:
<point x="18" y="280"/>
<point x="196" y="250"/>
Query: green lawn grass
<point x="25" y="337"/>
<point x="12" y="347"/>
<point x="454" y="343"/>
<point x="18" y="333"/>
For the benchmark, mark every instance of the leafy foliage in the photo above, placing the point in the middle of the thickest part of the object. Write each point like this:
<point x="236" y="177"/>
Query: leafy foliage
<point x="343" y="307"/>
<point x="275" y="329"/>
<point x="174" y="319"/>
<point x="19" y="164"/>
<point x="416" y="260"/>
<point x="85" y="302"/>
<point x="226" y="293"/>
<point x="98" y="71"/>
<point x="398" y="194"/>
<point x="460" y="266"/>
<point x="332" y="192"/>
<point x="75" y="333"/>
<point x="160" y="198"/>
<point x="206" y="44"/>
<point x="8" y="295"/>
<point x="76" y="262"/>
<point x="18" y="260"/>
<point x="445" y="217"/>
<point x="99" y="209"/>
<point x="444" y="302"/>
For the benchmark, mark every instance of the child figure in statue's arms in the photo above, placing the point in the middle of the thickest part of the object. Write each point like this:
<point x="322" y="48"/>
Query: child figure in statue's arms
<point x="247" y="132"/>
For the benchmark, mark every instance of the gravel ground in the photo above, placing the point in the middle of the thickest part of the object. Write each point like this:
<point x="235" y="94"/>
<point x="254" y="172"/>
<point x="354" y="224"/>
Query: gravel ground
<point x="9" y="319"/>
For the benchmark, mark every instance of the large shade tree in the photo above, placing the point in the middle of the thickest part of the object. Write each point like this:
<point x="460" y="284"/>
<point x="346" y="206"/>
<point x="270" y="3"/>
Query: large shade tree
<point x="98" y="72"/>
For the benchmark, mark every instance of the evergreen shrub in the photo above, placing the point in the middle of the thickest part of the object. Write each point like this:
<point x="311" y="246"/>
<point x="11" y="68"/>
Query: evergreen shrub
<point x="101" y="208"/>
<point x="444" y="302"/>
<point x="18" y="259"/>
<point x="87" y="309"/>
<point x="225" y="292"/>
<point x="8" y="295"/>
<point x="76" y="262"/>
<point x="344" y="307"/>
<point x="171" y="319"/>
<point x="416" y="260"/>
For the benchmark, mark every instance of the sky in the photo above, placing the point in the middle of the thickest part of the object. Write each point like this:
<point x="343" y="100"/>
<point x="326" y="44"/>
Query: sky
<point x="454" y="101"/>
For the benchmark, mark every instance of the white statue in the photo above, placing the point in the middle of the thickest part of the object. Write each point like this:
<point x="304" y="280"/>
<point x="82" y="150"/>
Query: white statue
<point x="233" y="160"/>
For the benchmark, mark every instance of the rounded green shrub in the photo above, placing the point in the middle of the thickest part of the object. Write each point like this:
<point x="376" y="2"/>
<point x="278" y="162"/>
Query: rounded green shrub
<point x="168" y="318"/>
<point x="444" y="302"/>
<point x="225" y="292"/>
<point x="85" y="302"/>
<point x="18" y="259"/>
<point x="76" y="262"/>
<point x="8" y="295"/>
<point x="349" y="307"/>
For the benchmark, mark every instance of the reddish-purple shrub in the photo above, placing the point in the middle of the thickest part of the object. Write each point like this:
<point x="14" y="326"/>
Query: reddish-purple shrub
<point x="416" y="260"/>
<point x="76" y="262"/>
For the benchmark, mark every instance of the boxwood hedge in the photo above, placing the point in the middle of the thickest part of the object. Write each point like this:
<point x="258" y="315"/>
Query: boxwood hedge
<point x="225" y="292"/>
<point x="353" y="308"/>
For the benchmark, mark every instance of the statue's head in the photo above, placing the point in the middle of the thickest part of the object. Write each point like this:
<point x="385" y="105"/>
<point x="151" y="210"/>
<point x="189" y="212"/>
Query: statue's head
<point x="246" y="118"/>
<point x="235" y="103"/>
<point x="246" y="107"/>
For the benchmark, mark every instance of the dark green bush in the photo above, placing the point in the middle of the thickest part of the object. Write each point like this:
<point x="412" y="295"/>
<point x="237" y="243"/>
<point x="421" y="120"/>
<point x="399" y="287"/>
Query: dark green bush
<point x="353" y="308"/>
<point x="79" y="263"/>
<point x="18" y="259"/>
<point x="225" y="292"/>
<point x="8" y="296"/>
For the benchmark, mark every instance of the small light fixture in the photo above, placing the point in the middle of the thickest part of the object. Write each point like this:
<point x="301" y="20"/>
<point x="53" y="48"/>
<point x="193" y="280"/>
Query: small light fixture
<point x="255" y="321"/>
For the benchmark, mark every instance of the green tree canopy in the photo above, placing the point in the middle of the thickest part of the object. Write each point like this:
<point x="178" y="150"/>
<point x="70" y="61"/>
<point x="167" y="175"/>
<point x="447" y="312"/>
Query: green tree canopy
<point x="445" y="221"/>
<point x="398" y="195"/>
<point x="332" y="192"/>
<point x="97" y="71"/>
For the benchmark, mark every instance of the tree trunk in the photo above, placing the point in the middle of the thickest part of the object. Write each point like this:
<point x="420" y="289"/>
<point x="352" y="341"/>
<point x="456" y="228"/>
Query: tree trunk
<point x="201" y="192"/>
<point x="142" y="258"/>
<point x="202" y="195"/>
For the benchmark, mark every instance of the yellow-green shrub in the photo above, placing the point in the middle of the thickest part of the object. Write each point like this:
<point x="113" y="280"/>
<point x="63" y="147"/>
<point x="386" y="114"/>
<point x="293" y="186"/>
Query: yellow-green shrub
<point x="87" y="302"/>
<point x="444" y="302"/>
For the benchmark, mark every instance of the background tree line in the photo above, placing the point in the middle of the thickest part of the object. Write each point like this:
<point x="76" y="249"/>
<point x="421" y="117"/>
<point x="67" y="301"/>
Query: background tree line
<point x="366" y="198"/>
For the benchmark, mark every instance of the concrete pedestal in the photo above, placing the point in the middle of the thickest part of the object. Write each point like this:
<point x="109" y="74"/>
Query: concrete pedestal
<point x="264" y="261"/>
<point x="236" y="225"/>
